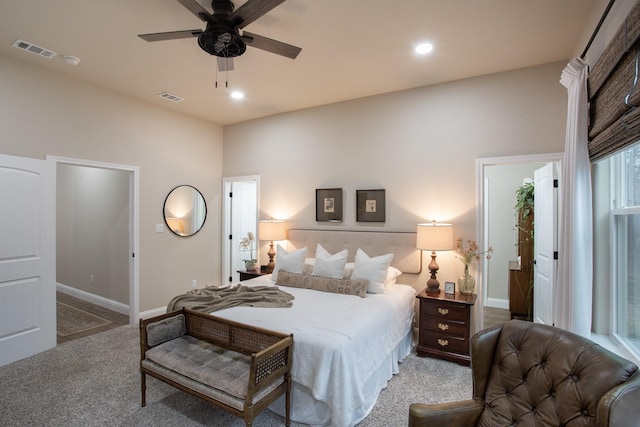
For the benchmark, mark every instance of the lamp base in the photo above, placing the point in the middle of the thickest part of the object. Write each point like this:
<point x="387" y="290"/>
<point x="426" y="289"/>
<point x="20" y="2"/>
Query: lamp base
<point x="272" y="255"/>
<point x="433" y="286"/>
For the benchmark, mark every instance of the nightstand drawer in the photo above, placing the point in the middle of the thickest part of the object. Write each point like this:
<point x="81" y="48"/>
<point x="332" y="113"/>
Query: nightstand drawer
<point x="443" y="309"/>
<point x="446" y="326"/>
<point x="444" y="342"/>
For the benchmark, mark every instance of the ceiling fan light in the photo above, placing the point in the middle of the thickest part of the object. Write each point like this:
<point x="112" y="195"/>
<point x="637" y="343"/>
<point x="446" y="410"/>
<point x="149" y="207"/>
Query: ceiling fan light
<point x="423" y="48"/>
<point x="236" y="94"/>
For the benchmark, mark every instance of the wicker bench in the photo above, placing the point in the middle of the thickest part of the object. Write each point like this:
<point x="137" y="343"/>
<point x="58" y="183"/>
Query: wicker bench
<point x="236" y="367"/>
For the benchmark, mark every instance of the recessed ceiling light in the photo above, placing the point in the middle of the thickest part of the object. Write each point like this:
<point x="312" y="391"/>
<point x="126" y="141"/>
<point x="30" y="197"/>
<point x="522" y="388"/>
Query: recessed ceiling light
<point x="424" y="48"/>
<point x="237" y="94"/>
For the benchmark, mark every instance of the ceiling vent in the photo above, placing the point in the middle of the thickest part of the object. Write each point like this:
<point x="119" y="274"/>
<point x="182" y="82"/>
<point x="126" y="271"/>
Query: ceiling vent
<point x="170" y="97"/>
<point x="32" y="48"/>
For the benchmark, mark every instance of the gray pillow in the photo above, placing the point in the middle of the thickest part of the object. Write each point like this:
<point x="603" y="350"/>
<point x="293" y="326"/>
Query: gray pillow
<point x="325" y="284"/>
<point x="166" y="330"/>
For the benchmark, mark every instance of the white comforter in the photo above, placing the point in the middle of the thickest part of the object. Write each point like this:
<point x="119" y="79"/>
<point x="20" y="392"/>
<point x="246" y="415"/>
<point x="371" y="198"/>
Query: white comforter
<point x="340" y="342"/>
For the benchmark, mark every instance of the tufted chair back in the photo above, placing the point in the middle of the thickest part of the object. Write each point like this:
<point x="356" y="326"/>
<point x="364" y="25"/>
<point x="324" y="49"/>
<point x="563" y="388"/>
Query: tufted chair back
<point x="527" y="374"/>
<point x="546" y="376"/>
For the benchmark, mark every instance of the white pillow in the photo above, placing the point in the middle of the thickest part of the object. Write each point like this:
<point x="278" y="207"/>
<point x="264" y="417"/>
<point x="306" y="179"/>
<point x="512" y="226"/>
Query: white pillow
<point x="392" y="275"/>
<point x="373" y="269"/>
<point x="327" y="265"/>
<point x="292" y="262"/>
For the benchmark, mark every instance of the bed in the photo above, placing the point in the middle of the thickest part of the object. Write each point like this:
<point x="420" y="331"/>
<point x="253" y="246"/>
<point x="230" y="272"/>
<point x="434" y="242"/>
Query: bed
<point x="346" y="347"/>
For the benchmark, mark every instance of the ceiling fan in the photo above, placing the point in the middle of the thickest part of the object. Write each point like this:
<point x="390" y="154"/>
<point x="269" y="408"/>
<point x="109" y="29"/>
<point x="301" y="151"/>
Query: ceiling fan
<point x="221" y="37"/>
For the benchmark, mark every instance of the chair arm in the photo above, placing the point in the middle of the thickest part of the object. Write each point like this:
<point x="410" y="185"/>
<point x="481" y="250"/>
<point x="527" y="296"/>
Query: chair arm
<point x="619" y="406"/>
<point x="483" y="346"/>
<point x="452" y="414"/>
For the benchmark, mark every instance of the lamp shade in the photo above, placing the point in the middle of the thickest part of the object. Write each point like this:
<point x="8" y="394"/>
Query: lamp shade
<point x="272" y="230"/>
<point x="435" y="237"/>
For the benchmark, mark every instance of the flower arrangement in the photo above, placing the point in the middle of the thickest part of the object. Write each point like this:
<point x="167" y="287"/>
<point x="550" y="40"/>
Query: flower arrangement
<point x="468" y="254"/>
<point x="247" y="243"/>
<point x="467" y="283"/>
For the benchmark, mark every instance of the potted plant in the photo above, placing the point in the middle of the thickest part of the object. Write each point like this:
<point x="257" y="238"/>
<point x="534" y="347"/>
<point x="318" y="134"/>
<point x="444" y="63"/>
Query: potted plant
<point x="247" y="243"/>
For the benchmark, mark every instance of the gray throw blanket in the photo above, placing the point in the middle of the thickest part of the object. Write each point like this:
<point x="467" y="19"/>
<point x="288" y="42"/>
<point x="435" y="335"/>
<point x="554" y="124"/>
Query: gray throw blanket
<point x="211" y="299"/>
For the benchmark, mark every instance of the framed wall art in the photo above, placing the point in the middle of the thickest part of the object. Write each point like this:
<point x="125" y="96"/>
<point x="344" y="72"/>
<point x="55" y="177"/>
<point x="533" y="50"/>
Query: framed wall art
<point x="329" y="204"/>
<point x="370" y="206"/>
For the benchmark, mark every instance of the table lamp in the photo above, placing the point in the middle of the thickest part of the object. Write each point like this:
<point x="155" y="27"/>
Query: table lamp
<point x="271" y="230"/>
<point x="434" y="237"/>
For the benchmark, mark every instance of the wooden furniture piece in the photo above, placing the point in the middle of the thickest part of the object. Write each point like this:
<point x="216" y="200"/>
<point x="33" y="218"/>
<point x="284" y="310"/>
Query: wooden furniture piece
<point x="520" y="291"/>
<point x="239" y="368"/>
<point x="445" y="326"/>
<point x="530" y="374"/>
<point x="246" y="275"/>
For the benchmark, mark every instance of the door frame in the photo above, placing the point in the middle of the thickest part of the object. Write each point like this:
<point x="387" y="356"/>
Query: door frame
<point x="134" y="215"/>
<point x="482" y="215"/>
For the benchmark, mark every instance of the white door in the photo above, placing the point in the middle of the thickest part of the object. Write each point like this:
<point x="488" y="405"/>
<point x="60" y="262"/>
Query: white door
<point x="27" y="257"/>
<point x="544" y="243"/>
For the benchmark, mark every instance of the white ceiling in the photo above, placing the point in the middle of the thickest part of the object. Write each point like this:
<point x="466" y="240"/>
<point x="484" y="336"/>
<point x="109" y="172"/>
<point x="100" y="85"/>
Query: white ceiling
<point x="350" y="48"/>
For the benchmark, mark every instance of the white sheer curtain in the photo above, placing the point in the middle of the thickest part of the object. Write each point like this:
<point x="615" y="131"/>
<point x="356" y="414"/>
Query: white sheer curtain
<point x="573" y="297"/>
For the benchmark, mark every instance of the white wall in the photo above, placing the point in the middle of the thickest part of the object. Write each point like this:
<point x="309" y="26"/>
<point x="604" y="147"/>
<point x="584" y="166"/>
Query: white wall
<point x="420" y="145"/>
<point x="503" y="182"/>
<point x="42" y="113"/>
<point x="92" y="239"/>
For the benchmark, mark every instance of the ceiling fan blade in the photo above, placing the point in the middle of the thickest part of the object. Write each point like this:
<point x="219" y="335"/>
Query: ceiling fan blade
<point x="195" y="8"/>
<point x="270" y="45"/>
<point x="225" y="64"/>
<point x="252" y="10"/>
<point x="171" y="35"/>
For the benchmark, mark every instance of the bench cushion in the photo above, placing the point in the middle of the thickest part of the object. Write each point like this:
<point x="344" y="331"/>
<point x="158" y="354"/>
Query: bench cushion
<point x="221" y="371"/>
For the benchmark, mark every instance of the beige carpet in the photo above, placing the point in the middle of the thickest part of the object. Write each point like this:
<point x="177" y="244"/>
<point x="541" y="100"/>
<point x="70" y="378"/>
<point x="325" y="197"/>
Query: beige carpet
<point x="71" y="320"/>
<point x="95" y="382"/>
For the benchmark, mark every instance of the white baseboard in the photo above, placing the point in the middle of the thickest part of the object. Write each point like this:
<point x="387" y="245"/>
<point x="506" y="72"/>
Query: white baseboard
<point x="112" y="305"/>
<point x="497" y="303"/>
<point x="153" y="312"/>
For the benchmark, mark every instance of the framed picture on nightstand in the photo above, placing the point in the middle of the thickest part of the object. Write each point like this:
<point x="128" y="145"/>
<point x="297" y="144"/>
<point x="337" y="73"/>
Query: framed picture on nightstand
<point x="449" y="288"/>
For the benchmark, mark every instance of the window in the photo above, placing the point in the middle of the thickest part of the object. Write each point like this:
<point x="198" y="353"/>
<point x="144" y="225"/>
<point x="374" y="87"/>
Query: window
<point x="625" y="168"/>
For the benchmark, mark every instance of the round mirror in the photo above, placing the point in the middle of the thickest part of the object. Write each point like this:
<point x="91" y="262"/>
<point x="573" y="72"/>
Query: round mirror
<point x="185" y="210"/>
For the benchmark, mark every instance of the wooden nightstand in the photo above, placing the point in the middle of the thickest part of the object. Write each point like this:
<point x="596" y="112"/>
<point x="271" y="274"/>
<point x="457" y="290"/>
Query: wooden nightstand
<point x="246" y="275"/>
<point x="445" y="326"/>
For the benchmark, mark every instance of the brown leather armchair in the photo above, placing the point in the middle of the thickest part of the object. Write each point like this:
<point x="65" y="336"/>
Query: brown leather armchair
<point x="529" y="374"/>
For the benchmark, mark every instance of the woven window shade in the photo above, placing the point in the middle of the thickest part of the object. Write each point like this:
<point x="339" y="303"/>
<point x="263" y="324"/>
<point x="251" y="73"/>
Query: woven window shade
<point x="614" y="124"/>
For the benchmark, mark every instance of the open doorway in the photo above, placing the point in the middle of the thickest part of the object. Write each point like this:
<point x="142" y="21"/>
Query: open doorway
<point x="97" y="236"/>
<point x="498" y="180"/>
<point x="240" y="209"/>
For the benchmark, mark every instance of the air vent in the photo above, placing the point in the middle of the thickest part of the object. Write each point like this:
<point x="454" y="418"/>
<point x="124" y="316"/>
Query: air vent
<point x="170" y="97"/>
<point x="35" y="49"/>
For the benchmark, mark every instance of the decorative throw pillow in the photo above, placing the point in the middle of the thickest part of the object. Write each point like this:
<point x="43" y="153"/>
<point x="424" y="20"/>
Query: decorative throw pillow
<point x="324" y="284"/>
<point x="292" y="262"/>
<point x="328" y="265"/>
<point x="166" y="330"/>
<point x="372" y="269"/>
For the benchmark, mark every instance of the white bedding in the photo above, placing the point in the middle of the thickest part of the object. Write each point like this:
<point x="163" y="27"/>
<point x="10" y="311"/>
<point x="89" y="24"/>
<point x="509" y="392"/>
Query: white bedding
<point x="345" y="348"/>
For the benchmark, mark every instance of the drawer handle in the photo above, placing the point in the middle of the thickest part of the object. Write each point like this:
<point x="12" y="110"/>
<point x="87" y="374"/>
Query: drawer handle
<point x="443" y="343"/>
<point x="443" y="311"/>
<point x="443" y="326"/>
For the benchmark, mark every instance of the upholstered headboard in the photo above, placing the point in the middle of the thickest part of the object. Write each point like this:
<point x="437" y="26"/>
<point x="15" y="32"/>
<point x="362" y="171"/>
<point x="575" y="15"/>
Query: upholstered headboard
<point x="406" y="258"/>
